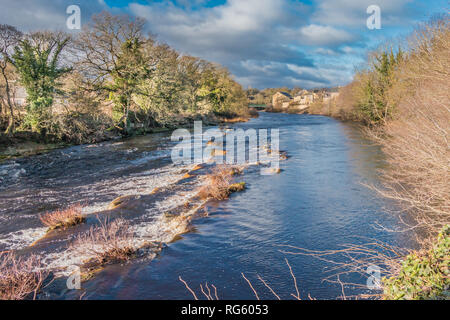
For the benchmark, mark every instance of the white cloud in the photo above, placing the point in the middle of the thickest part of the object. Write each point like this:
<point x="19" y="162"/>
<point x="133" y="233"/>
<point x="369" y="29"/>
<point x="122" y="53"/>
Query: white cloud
<point x="219" y="25"/>
<point x="314" y="34"/>
<point x="262" y="42"/>
<point x="256" y="39"/>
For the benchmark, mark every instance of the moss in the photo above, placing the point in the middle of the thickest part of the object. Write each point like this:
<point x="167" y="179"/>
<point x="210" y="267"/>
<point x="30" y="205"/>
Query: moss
<point x="424" y="275"/>
<point x="90" y="273"/>
<point x="154" y="191"/>
<point x="236" y="187"/>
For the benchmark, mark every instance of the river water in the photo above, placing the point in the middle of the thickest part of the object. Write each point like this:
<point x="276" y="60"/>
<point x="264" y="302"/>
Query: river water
<point x="319" y="201"/>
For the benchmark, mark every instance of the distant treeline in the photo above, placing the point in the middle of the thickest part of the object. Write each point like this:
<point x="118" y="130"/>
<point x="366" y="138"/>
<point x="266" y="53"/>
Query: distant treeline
<point x="111" y="77"/>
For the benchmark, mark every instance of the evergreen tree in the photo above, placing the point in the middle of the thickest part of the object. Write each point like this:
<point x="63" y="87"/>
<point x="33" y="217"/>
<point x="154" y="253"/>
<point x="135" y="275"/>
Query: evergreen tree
<point x="37" y="60"/>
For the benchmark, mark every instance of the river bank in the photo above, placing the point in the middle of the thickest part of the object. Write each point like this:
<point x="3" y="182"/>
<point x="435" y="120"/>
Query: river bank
<point x="24" y="144"/>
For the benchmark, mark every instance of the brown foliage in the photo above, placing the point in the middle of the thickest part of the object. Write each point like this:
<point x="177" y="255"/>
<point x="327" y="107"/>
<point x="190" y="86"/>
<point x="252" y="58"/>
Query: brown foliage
<point x="63" y="219"/>
<point x="109" y="242"/>
<point x="417" y="142"/>
<point x="219" y="183"/>
<point x="20" y="278"/>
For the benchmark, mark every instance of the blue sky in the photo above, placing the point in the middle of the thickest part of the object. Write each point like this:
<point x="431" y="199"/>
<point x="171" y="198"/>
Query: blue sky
<point x="264" y="43"/>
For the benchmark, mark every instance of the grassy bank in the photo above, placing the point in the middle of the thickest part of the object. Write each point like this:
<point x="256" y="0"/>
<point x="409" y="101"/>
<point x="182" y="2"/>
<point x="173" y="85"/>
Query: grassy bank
<point x="402" y="97"/>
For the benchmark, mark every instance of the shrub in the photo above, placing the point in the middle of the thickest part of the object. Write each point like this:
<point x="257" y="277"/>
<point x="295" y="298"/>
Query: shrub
<point x="63" y="219"/>
<point x="424" y="275"/>
<point x="416" y="142"/>
<point x="219" y="183"/>
<point x="108" y="243"/>
<point x="76" y="127"/>
<point x="20" y="278"/>
<point x="373" y="105"/>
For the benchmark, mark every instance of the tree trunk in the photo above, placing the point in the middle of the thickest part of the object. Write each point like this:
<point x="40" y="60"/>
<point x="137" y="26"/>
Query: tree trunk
<point x="126" y="115"/>
<point x="11" y="121"/>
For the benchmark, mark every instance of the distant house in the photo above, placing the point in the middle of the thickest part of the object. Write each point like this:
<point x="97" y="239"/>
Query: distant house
<point x="305" y="98"/>
<point x="302" y="100"/>
<point x="281" y="100"/>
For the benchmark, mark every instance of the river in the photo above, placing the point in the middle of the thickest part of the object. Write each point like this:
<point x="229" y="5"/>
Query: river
<point x="319" y="201"/>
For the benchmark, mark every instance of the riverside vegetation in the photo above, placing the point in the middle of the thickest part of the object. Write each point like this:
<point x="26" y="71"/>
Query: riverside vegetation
<point x="109" y="80"/>
<point x="402" y="98"/>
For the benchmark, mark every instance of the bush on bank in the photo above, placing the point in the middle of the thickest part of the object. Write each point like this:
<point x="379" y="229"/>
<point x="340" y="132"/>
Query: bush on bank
<point x="424" y="274"/>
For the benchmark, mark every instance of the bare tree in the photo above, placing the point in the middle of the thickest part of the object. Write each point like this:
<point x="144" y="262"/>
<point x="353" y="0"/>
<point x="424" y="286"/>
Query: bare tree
<point x="113" y="58"/>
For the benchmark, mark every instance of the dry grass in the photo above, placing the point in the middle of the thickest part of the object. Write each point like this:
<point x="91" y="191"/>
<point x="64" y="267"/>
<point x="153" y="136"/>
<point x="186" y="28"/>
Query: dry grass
<point x="219" y="184"/>
<point x="63" y="219"/>
<point x="20" y="278"/>
<point x="108" y="243"/>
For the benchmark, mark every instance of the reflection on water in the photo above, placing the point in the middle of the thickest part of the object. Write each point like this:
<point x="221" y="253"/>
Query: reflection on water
<point x="317" y="202"/>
